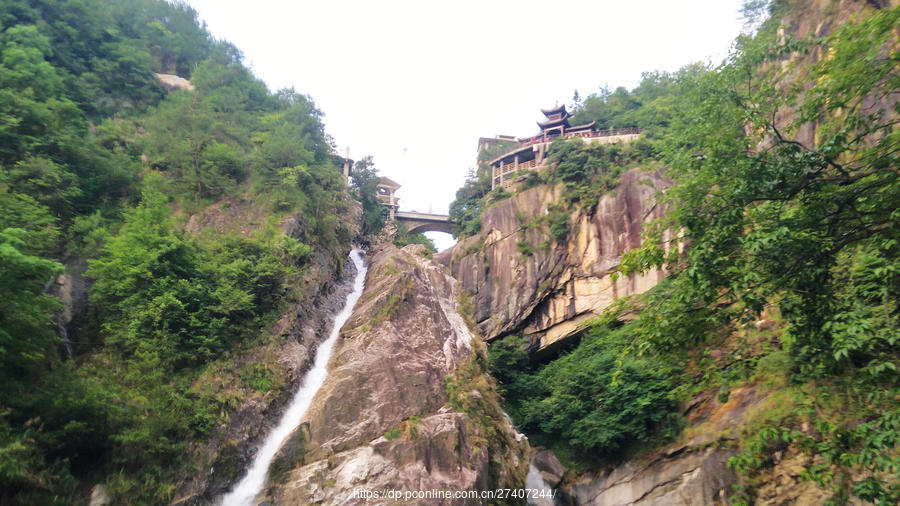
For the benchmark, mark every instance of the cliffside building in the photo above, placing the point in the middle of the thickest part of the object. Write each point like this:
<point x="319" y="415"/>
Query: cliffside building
<point x="532" y="151"/>
<point x="385" y="191"/>
<point x="489" y="142"/>
<point x="557" y="124"/>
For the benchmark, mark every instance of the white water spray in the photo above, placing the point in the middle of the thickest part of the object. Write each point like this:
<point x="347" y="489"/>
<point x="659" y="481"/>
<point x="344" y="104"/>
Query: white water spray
<point x="534" y="481"/>
<point x="245" y="492"/>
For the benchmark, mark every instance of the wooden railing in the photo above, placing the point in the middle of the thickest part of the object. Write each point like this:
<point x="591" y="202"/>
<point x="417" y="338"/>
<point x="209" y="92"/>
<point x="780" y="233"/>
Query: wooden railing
<point x="586" y="135"/>
<point x="506" y="168"/>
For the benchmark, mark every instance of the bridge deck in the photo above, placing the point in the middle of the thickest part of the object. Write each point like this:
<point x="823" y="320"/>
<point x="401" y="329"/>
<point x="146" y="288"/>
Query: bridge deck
<point x="424" y="222"/>
<point x="421" y="216"/>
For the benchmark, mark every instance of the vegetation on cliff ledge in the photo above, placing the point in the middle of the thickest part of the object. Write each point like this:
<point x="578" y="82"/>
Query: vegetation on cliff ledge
<point x="807" y="224"/>
<point x="99" y="164"/>
<point x="786" y="196"/>
<point x="574" y="405"/>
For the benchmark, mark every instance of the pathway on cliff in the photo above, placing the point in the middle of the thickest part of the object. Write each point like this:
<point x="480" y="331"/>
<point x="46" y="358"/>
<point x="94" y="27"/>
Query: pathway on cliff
<point x="245" y="492"/>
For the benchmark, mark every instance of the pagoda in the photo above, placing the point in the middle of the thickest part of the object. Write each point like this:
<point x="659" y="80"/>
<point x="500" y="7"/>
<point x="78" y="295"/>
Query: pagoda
<point x="557" y="124"/>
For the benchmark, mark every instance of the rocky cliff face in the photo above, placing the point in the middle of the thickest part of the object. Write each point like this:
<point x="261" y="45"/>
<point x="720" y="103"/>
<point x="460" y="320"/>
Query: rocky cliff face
<point x="690" y="470"/>
<point x="288" y="347"/>
<point x="547" y="293"/>
<point x="406" y="405"/>
<point x="817" y="19"/>
<point x="523" y="283"/>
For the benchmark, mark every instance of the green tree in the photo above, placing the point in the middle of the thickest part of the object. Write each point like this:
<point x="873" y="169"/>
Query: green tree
<point x="365" y="189"/>
<point x="465" y="210"/>
<point x="587" y="404"/>
<point x="52" y="184"/>
<point x="786" y="196"/>
<point x="769" y="214"/>
<point x="26" y="336"/>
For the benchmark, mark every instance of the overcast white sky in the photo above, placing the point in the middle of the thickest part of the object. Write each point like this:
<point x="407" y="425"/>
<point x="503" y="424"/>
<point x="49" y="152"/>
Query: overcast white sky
<point x="416" y="83"/>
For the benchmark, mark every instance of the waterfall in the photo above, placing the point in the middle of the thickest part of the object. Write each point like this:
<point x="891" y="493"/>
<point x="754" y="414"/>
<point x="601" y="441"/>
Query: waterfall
<point x="534" y="481"/>
<point x="63" y="334"/>
<point x="245" y="492"/>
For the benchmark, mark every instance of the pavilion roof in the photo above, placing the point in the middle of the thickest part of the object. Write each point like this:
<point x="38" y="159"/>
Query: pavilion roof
<point x="554" y="110"/>
<point x="586" y="126"/>
<point x="385" y="181"/>
<point x="553" y="122"/>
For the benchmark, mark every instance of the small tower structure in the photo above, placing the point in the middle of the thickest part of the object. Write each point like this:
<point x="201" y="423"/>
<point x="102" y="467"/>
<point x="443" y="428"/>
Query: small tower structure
<point x="385" y="192"/>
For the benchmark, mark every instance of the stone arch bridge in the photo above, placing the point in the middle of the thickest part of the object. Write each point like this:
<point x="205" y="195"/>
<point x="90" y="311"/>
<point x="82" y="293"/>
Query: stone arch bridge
<point x="424" y="222"/>
<point x="414" y="222"/>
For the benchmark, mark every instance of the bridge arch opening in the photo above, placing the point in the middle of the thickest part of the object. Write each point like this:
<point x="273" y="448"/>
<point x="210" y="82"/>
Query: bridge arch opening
<point x="417" y="228"/>
<point x="441" y="240"/>
<point x="416" y="222"/>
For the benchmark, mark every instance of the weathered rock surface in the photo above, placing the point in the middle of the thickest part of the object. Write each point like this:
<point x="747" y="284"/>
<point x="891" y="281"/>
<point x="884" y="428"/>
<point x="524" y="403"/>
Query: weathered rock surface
<point x="690" y="471"/>
<point x="546" y="295"/>
<point x="381" y="420"/>
<point x="695" y="477"/>
<point x="552" y="471"/>
<point x="71" y="288"/>
<point x="289" y="349"/>
<point x="174" y="82"/>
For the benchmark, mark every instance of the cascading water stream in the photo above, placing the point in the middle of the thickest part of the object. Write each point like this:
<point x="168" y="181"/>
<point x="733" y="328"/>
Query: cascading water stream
<point x="534" y="481"/>
<point x="245" y="492"/>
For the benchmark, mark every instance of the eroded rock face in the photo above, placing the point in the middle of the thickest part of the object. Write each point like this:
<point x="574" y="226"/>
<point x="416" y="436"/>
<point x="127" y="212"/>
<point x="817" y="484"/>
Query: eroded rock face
<point x="546" y="294"/>
<point x="697" y="477"/>
<point x="381" y="420"/>
<point x="289" y="348"/>
<point x="174" y="82"/>
<point x="552" y="471"/>
<point x="71" y="288"/>
<point x="689" y="471"/>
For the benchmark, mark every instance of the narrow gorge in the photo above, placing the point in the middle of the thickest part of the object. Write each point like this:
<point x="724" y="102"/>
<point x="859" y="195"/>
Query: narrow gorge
<point x="681" y="292"/>
<point x="402" y="404"/>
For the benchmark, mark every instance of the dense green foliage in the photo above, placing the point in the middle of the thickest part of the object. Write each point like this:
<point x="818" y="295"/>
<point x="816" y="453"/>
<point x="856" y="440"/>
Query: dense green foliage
<point x="776" y="217"/>
<point x="24" y="308"/>
<point x="586" y="403"/>
<point x="465" y="210"/>
<point x="651" y="106"/>
<point x="161" y="292"/>
<point x="365" y="183"/>
<point x="786" y="201"/>
<point x="590" y="170"/>
<point x="100" y="163"/>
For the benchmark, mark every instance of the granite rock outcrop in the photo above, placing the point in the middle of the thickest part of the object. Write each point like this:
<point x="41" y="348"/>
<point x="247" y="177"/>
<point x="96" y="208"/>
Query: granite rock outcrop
<point x="547" y="291"/>
<point x="389" y="415"/>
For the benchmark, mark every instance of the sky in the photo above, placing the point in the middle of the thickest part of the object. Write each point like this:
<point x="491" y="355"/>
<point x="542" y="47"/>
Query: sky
<point x="416" y="83"/>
